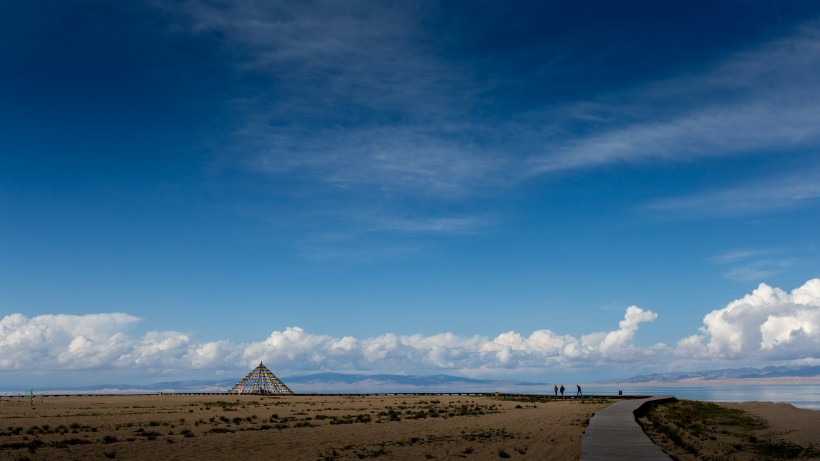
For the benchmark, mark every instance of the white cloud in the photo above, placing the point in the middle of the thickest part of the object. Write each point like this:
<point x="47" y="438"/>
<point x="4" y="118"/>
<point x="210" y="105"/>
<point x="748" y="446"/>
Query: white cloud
<point x="766" y="325"/>
<point x="338" y="75"/>
<point x="359" y="99"/>
<point x="70" y="341"/>
<point x="55" y="342"/>
<point x="753" y="101"/>
<point x="750" y="265"/>
<point x="754" y="197"/>
<point x="739" y="255"/>
<point x="760" y="269"/>
<point x="380" y="59"/>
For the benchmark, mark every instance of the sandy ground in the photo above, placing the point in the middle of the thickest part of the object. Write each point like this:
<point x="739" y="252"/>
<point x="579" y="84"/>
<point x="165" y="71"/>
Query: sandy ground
<point x="223" y="427"/>
<point x="795" y="425"/>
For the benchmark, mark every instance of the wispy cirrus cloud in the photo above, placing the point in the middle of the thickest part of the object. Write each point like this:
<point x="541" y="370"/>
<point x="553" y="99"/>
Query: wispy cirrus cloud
<point x="711" y="132"/>
<point x="754" y="101"/>
<point x="351" y="101"/>
<point x="411" y="159"/>
<point x="360" y="99"/>
<point x="761" y="269"/>
<point x="752" y="198"/>
<point x="352" y="94"/>
<point x="740" y="255"/>
<point x="752" y="265"/>
<point x="447" y="225"/>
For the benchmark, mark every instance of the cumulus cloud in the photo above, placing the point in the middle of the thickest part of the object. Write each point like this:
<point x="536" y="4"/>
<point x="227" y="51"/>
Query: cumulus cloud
<point x="62" y="340"/>
<point x="51" y="342"/>
<point x="511" y="350"/>
<point x="101" y="340"/>
<point x="767" y="325"/>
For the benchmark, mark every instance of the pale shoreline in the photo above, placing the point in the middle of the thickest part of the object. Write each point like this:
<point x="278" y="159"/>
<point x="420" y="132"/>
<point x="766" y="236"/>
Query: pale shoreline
<point x="804" y="394"/>
<point x="811" y="380"/>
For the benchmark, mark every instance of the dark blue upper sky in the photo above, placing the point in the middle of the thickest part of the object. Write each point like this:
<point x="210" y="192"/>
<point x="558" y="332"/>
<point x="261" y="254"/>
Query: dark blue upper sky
<point x="361" y="168"/>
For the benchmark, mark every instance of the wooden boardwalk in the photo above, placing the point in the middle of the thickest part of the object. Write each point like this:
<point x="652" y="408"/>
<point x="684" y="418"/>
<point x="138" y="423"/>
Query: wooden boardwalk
<point x="614" y="434"/>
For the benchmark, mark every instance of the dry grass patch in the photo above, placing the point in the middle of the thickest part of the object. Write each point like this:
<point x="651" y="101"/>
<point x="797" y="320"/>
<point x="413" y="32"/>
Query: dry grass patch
<point x="694" y="430"/>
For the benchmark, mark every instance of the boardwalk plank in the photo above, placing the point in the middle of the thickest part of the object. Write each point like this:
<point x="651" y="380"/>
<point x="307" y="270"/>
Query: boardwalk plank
<point x="614" y="434"/>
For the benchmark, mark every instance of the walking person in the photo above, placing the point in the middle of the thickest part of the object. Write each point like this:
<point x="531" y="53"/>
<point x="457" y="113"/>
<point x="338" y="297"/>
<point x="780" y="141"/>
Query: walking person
<point x="562" y="390"/>
<point x="556" y="390"/>
<point x="579" y="389"/>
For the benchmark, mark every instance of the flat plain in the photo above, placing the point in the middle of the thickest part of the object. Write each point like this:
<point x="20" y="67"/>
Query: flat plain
<point x="326" y="427"/>
<point x="294" y="427"/>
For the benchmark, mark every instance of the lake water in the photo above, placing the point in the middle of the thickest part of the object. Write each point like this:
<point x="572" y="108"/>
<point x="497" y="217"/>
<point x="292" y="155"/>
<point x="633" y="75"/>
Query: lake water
<point x="799" y="395"/>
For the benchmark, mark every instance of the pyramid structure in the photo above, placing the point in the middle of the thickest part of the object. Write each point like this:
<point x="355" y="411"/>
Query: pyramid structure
<point x="260" y="381"/>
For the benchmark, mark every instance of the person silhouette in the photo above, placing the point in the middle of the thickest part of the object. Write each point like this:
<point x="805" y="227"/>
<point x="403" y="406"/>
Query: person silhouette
<point x="579" y="389"/>
<point x="562" y="390"/>
<point x="556" y="390"/>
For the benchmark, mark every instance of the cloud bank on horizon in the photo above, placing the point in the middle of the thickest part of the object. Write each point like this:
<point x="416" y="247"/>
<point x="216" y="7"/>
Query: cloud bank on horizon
<point x="766" y="326"/>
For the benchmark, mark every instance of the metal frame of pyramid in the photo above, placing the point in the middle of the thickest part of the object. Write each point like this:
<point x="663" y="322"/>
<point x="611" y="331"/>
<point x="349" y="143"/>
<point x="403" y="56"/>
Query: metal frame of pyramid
<point x="260" y="381"/>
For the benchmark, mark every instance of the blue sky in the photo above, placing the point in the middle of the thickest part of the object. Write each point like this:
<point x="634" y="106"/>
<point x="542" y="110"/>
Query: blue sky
<point x="474" y="188"/>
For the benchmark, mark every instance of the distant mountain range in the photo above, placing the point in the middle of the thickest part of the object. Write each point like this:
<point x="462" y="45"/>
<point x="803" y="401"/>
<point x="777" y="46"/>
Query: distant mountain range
<point x="317" y="383"/>
<point x="727" y="373"/>
<point x="343" y="383"/>
<point x="407" y="380"/>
